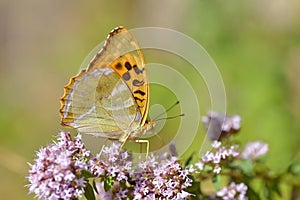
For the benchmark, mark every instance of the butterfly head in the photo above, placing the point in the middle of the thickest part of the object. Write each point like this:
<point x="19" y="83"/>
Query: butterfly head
<point x="149" y="125"/>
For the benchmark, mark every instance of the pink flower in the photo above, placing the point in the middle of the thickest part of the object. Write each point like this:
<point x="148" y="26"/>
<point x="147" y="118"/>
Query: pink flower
<point x="56" y="171"/>
<point x="233" y="192"/>
<point x="219" y="125"/>
<point x="216" y="156"/>
<point x="253" y="150"/>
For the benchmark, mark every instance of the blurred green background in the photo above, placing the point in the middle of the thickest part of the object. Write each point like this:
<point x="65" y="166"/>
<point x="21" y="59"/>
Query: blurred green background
<point x="255" y="44"/>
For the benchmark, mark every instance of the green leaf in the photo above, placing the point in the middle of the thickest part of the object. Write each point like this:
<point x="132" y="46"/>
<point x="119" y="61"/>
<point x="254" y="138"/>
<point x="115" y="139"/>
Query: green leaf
<point x="246" y="166"/>
<point x="189" y="160"/>
<point x="207" y="168"/>
<point x="123" y="184"/>
<point x="89" y="192"/>
<point x="272" y="188"/>
<point x="194" y="188"/>
<point x="251" y="194"/>
<point x="262" y="158"/>
<point x="294" y="169"/>
<point x="267" y="192"/>
<point x="94" y="186"/>
<point x="108" y="183"/>
<point x="217" y="181"/>
<point x="86" y="174"/>
<point x="275" y="187"/>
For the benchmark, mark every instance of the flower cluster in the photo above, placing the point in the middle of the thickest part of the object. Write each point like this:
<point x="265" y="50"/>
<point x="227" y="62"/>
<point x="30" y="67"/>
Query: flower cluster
<point x="217" y="155"/>
<point x="162" y="180"/>
<point x="112" y="162"/>
<point x="155" y="178"/>
<point x="56" y="172"/>
<point x="66" y="170"/>
<point x="253" y="150"/>
<point x="233" y="192"/>
<point x="114" y="168"/>
<point x="219" y="125"/>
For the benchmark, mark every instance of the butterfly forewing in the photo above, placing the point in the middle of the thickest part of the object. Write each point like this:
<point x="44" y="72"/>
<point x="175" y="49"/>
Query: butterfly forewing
<point x="109" y="98"/>
<point x="122" y="53"/>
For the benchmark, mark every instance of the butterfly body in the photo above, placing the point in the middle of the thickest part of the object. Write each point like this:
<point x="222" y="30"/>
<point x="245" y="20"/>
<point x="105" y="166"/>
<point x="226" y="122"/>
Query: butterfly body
<point x="110" y="98"/>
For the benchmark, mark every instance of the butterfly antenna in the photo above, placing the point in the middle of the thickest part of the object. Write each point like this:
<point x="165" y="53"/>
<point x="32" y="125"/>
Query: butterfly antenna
<point x="172" y="106"/>
<point x="172" y="117"/>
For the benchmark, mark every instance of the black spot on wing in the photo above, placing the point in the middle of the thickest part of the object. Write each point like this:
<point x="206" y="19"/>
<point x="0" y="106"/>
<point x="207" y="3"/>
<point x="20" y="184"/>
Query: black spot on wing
<point x="126" y="76"/>
<point x="137" y="83"/>
<point x="137" y="70"/>
<point x="139" y="92"/>
<point x="128" y="66"/>
<point x="118" y="66"/>
<point x="138" y="99"/>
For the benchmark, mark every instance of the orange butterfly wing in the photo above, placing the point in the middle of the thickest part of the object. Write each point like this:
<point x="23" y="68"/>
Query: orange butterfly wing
<point x="122" y="53"/>
<point x="103" y="99"/>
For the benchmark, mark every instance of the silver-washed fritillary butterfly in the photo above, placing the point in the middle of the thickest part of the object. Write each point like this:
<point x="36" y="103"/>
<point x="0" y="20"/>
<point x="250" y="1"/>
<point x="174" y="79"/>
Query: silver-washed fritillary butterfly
<point x="110" y="98"/>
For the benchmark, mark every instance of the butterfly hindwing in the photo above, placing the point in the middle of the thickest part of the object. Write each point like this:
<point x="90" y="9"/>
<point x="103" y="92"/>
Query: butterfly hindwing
<point x="97" y="103"/>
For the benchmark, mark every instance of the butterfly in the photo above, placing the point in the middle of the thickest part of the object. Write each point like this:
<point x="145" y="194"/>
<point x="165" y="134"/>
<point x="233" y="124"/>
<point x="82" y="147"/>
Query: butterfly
<point x="110" y="98"/>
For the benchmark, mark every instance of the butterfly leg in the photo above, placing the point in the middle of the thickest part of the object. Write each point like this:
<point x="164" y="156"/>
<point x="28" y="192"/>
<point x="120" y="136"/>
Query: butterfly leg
<point x="137" y="141"/>
<point x="148" y="146"/>
<point x="124" y="141"/>
<point x="101" y="150"/>
<point x="103" y="147"/>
